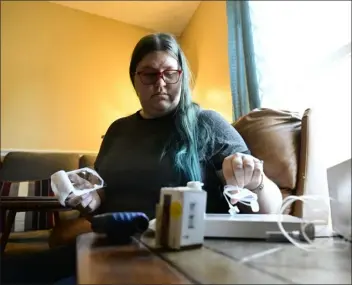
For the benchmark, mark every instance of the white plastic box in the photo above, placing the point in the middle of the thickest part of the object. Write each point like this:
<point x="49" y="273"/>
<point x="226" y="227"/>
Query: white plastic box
<point x="180" y="220"/>
<point x="339" y="183"/>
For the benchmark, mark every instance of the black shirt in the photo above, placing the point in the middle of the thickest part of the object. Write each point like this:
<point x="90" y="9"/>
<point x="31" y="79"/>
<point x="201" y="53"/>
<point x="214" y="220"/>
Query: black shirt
<point x="129" y="162"/>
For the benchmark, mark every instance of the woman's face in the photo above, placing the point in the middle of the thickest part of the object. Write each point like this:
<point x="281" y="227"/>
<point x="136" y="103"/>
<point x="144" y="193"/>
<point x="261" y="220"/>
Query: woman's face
<point x="158" y="84"/>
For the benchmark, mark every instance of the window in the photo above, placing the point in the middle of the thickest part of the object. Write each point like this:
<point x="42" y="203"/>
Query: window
<point x="303" y="56"/>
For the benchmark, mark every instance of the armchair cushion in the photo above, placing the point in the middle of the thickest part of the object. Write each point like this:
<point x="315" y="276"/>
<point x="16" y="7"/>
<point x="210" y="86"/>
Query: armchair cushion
<point x="28" y="195"/>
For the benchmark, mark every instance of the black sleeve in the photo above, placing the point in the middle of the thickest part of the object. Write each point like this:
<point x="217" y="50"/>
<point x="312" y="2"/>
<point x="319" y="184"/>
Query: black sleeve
<point x="225" y="138"/>
<point x="105" y="144"/>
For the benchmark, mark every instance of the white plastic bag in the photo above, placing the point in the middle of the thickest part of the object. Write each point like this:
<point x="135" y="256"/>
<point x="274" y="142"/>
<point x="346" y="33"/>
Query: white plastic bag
<point x="78" y="182"/>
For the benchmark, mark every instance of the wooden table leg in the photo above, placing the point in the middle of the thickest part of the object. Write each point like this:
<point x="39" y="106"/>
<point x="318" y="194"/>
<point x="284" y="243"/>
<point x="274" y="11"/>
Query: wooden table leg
<point x="7" y="230"/>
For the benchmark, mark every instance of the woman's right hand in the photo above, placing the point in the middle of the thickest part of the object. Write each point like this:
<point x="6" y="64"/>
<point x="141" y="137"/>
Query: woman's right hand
<point x="86" y="204"/>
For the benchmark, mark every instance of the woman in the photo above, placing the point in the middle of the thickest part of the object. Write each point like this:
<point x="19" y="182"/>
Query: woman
<point x="169" y="142"/>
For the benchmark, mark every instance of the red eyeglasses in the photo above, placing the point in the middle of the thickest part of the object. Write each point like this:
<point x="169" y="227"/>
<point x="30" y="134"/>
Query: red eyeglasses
<point x="169" y="76"/>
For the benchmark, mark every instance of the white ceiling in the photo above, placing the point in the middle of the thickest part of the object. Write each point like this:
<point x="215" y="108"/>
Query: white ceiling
<point x="159" y="16"/>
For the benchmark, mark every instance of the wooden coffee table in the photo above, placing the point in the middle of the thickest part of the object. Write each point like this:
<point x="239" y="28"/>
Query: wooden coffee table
<point x="217" y="262"/>
<point x="14" y="205"/>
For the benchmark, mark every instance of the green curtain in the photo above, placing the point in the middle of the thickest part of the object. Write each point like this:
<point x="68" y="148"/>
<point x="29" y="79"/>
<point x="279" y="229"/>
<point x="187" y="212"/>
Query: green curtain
<point x="243" y="74"/>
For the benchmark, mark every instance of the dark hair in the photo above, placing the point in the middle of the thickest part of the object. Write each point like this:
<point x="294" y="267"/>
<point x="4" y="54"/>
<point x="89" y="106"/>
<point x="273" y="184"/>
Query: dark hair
<point x="183" y="146"/>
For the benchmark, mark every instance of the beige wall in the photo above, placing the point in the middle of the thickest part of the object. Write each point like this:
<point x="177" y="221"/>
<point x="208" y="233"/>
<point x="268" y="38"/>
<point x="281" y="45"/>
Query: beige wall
<point x="64" y="73"/>
<point x="64" y="76"/>
<point x="205" y="42"/>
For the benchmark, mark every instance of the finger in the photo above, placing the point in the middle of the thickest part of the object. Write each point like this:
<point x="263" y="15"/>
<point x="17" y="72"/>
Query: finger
<point x="86" y="195"/>
<point x="70" y="196"/>
<point x="256" y="159"/>
<point x="94" y="180"/>
<point x="257" y="174"/>
<point x="259" y="165"/>
<point x="83" y="184"/>
<point x="230" y="192"/>
<point x="73" y="201"/>
<point x="234" y="192"/>
<point x="78" y="186"/>
<point x="234" y="201"/>
<point x="248" y="166"/>
<point x="88" y="185"/>
<point x="94" y="204"/>
<point x="86" y="201"/>
<point x="238" y="171"/>
<point x="74" y="178"/>
<point x="227" y="171"/>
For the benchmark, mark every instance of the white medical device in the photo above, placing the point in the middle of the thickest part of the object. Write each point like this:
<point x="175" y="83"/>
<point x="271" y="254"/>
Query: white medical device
<point x="339" y="184"/>
<point x="254" y="226"/>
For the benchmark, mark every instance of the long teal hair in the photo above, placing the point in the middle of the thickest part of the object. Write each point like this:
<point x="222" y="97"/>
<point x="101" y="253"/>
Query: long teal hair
<point x="184" y="145"/>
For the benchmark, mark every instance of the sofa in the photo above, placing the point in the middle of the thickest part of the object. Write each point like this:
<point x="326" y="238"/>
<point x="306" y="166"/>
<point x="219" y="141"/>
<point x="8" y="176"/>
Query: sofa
<point x="284" y="140"/>
<point x="26" y="192"/>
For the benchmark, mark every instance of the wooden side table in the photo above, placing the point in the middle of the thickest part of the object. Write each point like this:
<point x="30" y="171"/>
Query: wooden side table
<point x="13" y="205"/>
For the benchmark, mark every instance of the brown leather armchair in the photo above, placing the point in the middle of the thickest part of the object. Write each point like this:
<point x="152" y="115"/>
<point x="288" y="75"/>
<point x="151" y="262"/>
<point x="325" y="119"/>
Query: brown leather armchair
<point x="287" y="143"/>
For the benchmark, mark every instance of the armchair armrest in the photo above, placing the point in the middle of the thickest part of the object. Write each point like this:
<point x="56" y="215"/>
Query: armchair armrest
<point x="31" y="204"/>
<point x="312" y="178"/>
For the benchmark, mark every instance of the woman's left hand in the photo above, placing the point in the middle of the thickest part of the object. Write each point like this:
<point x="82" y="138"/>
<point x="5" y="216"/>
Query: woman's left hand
<point x="243" y="170"/>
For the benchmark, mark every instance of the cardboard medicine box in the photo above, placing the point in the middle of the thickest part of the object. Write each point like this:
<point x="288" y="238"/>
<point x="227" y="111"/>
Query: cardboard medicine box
<point x="180" y="219"/>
